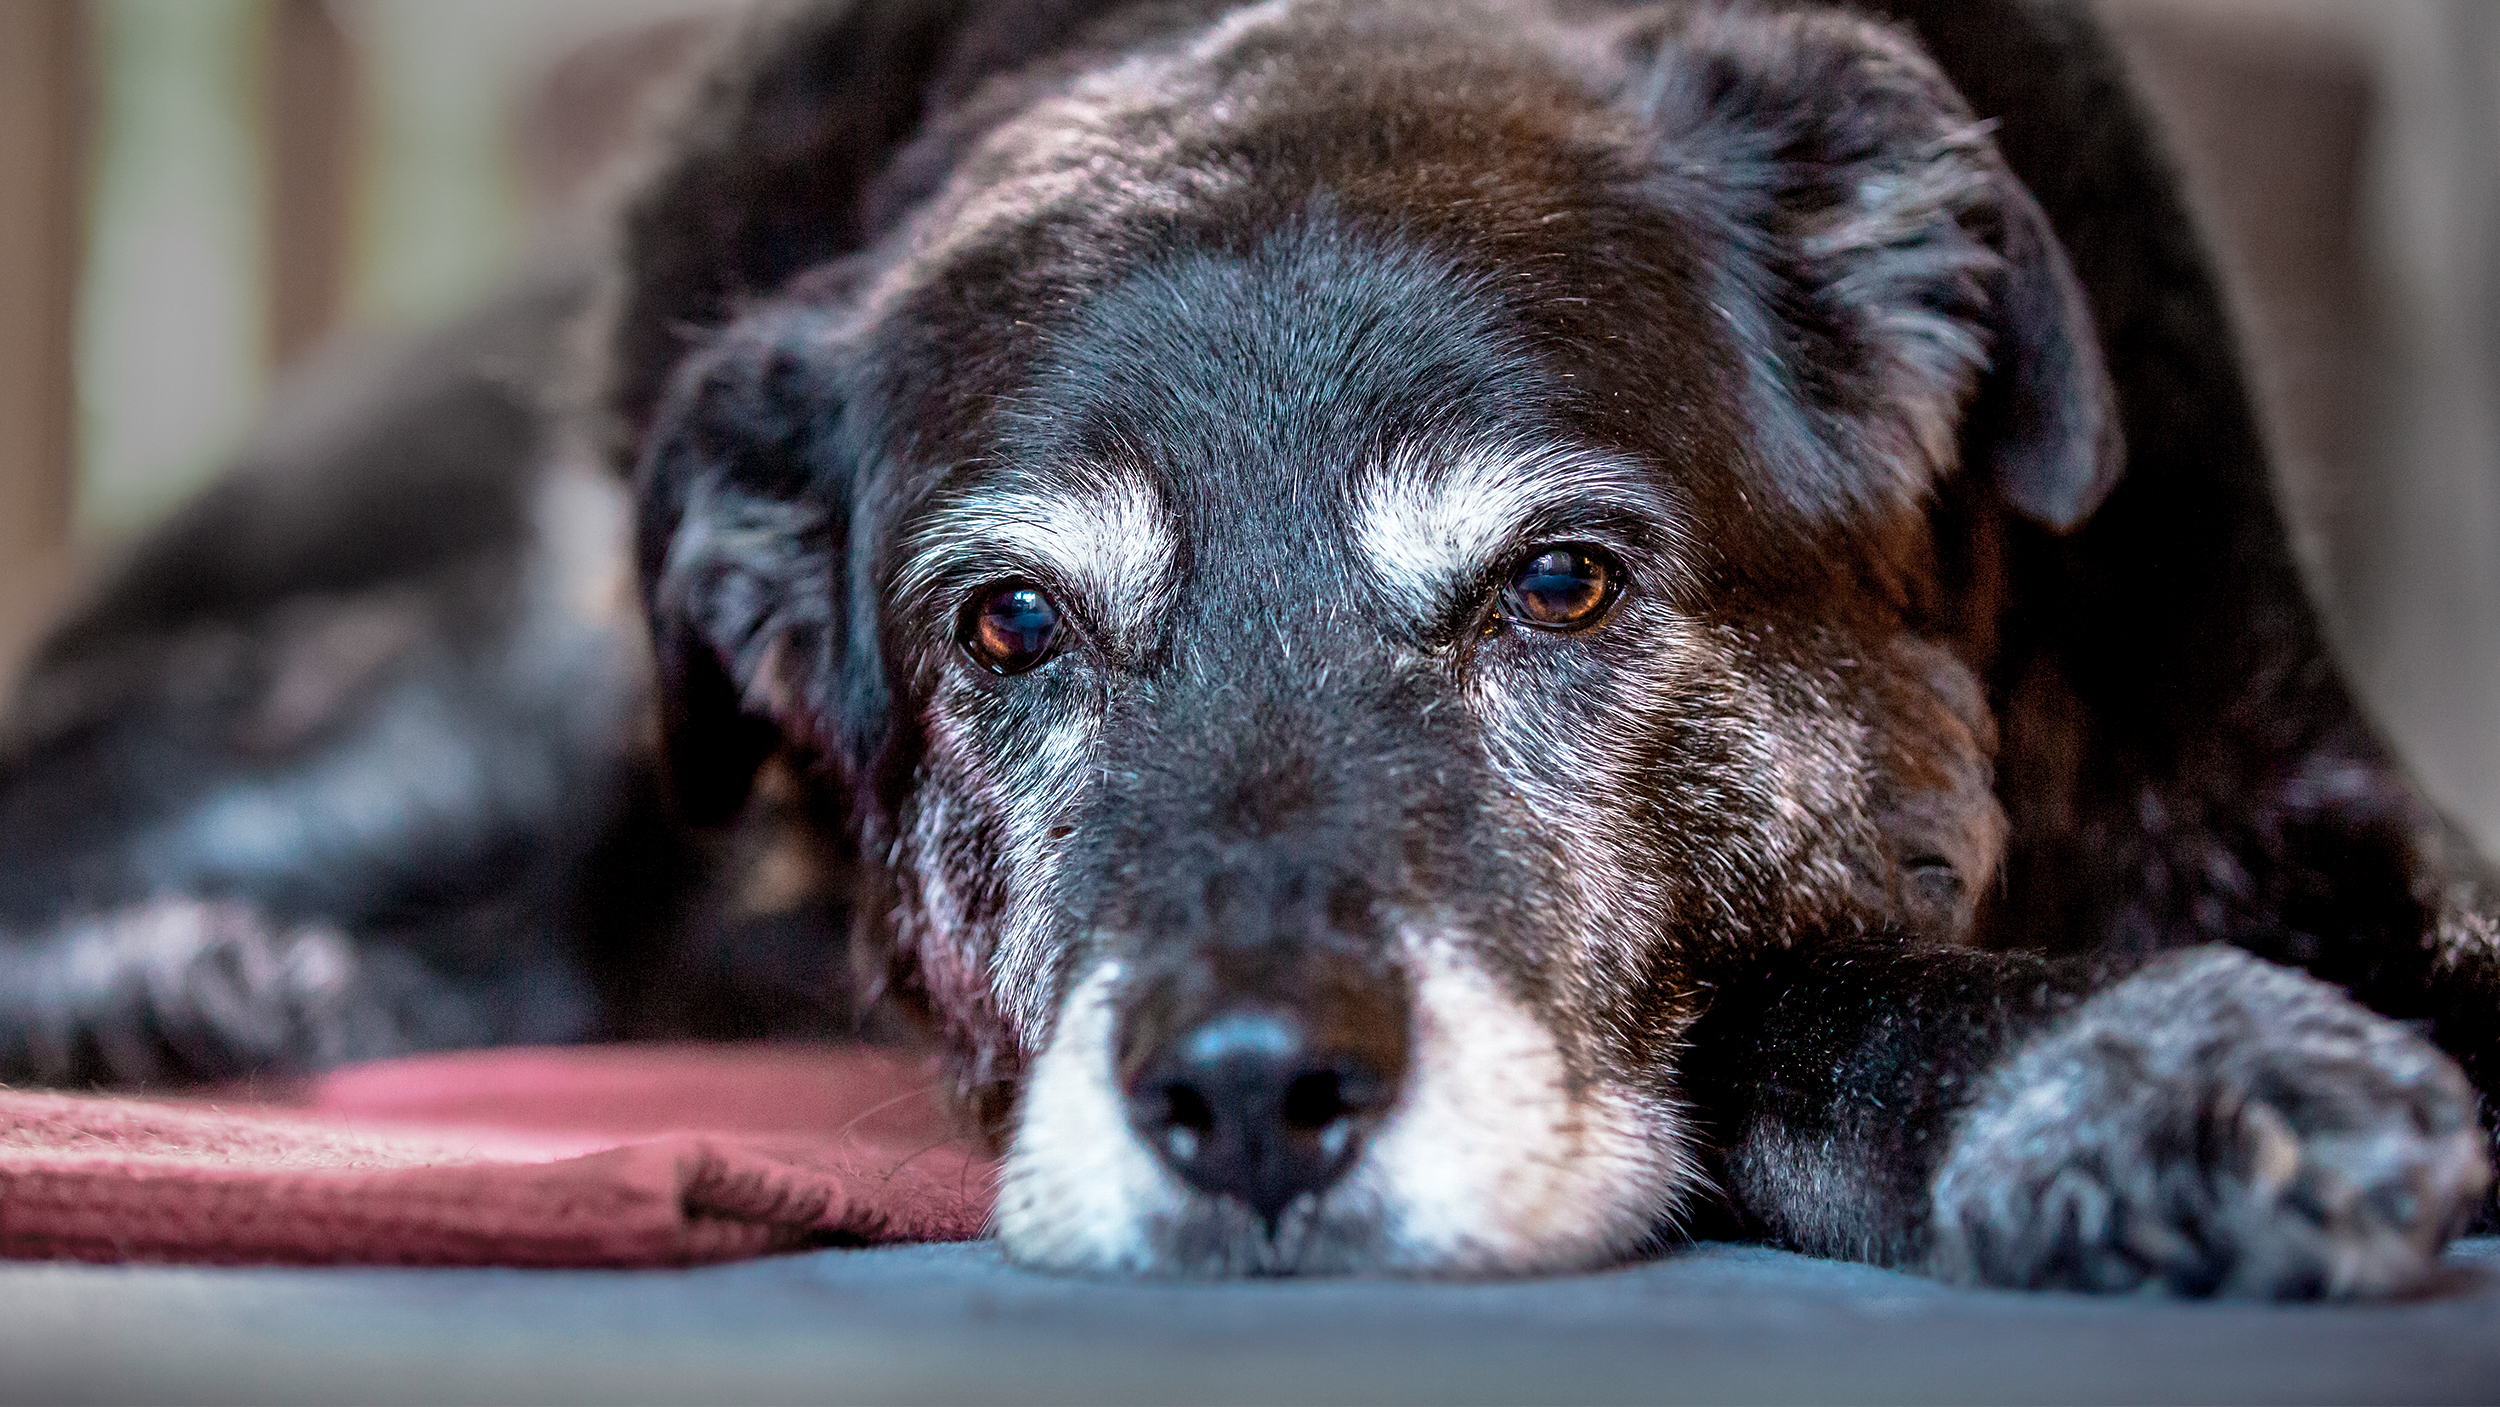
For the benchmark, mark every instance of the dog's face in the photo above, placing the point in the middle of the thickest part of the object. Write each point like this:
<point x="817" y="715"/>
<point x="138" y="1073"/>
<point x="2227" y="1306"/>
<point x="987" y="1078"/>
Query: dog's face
<point x="1342" y="563"/>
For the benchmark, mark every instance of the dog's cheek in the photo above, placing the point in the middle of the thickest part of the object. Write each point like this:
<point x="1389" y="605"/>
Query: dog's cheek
<point x="1704" y="796"/>
<point x="1722" y="809"/>
<point x="1036" y="791"/>
<point x="1797" y="753"/>
<point x="977" y="861"/>
<point x="938" y="938"/>
<point x="1570" y="757"/>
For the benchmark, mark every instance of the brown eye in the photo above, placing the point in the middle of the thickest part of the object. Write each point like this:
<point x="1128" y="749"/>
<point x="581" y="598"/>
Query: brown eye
<point x="1560" y="588"/>
<point x="1011" y="628"/>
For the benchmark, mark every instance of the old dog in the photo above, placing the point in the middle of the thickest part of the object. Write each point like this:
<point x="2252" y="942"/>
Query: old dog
<point x="1438" y="639"/>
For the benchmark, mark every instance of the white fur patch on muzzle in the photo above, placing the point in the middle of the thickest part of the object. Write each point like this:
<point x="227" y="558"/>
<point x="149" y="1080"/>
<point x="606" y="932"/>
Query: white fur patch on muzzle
<point x="1498" y="1158"/>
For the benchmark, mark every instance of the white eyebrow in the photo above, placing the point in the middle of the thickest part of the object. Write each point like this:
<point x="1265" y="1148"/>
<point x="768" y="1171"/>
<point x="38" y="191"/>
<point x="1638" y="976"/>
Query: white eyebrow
<point x="1429" y="517"/>
<point x="1102" y="533"/>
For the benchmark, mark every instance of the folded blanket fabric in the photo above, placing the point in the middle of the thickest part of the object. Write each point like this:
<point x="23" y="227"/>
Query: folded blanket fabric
<point x="597" y="1156"/>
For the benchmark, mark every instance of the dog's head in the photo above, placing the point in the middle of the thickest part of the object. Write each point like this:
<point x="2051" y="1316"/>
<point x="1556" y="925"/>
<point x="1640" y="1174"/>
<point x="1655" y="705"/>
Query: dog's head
<point x="1340" y="561"/>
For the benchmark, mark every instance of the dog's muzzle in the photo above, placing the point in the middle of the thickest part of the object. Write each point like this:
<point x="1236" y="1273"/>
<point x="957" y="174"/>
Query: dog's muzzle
<point x="1258" y="1075"/>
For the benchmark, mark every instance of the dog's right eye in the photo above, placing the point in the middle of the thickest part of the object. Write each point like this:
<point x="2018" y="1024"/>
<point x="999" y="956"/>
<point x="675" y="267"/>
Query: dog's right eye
<point x="1010" y="628"/>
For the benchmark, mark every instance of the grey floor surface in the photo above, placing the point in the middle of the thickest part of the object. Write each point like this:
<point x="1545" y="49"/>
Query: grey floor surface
<point x="1714" y="1323"/>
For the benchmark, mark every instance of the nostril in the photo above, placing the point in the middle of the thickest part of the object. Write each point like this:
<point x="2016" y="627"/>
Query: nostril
<point x="1313" y="1102"/>
<point x="1189" y="1109"/>
<point x="1188" y="1123"/>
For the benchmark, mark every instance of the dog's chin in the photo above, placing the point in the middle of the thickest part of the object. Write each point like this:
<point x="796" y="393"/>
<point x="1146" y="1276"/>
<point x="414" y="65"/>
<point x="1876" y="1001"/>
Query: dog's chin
<point x="1497" y="1160"/>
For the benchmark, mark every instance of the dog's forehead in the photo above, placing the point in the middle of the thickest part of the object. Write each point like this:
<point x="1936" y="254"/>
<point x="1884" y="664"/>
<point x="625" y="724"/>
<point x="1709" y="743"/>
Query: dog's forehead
<point x="1280" y="368"/>
<point x="1325" y="412"/>
<point x="1230" y="373"/>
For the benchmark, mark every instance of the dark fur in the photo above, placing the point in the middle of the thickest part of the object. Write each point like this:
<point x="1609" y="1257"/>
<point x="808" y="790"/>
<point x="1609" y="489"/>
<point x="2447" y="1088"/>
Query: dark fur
<point x="1860" y="342"/>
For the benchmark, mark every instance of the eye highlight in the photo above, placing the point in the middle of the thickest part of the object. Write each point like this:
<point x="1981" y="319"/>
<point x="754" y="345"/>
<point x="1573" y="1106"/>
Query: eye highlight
<point x="1560" y="588"/>
<point x="1010" y="628"/>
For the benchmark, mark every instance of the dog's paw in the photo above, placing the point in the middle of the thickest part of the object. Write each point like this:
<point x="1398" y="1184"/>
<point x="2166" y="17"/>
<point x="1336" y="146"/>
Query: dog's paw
<point x="175" y="991"/>
<point x="2213" y="1125"/>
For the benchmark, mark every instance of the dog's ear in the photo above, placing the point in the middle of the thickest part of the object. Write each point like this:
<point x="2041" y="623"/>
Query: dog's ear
<point x="1905" y="264"/>
<point x="714" y="385"/>
<point x="2053" y="440"/>
<point x="742" y="519"/>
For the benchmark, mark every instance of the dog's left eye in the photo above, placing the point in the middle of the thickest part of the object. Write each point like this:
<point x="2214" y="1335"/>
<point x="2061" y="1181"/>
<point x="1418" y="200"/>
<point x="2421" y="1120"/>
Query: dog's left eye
<point x="1560" y="588"/>
<point x="1011" y="628"/>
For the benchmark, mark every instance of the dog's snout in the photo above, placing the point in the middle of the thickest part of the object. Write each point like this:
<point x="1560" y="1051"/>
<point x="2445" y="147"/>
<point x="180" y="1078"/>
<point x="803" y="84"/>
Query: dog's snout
<point x="1250" y="1106"/>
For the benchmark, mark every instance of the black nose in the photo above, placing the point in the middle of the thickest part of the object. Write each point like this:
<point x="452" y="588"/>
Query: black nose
<point x="1246" y="1105"/>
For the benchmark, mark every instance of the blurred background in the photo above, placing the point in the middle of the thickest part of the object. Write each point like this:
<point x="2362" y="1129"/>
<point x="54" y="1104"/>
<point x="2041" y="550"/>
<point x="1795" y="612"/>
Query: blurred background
<point x="199" y="197"/>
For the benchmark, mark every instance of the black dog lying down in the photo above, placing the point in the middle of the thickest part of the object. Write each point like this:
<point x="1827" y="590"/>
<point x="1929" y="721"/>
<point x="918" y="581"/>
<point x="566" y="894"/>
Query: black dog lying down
<point x="1431" y="638"/>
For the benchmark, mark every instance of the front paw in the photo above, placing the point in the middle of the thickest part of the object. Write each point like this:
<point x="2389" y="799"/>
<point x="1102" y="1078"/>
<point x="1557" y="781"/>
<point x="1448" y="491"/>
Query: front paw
<point x="2213" y="1125"/>
<point x="175" y="991"/>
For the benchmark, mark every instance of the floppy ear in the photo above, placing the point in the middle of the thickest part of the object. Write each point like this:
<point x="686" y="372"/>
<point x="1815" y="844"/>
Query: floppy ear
<point x="765" y="174"/>
<point x="725" y="419"/>
<point x="2054" y="443"/>
<point x="1916" y="305"/>
<point x="743" y="514"/>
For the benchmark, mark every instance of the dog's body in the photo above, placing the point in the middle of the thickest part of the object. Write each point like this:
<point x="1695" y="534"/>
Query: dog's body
<point x="1429" y="637"/>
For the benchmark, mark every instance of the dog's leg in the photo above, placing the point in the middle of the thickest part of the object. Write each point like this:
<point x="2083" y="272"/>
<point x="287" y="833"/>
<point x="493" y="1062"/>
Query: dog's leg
<point x="178" y="991"/>
<point x="2209" y="1124"/>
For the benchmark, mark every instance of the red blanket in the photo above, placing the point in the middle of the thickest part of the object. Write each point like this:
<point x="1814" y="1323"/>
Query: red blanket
<point x="601" y="1156"/>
